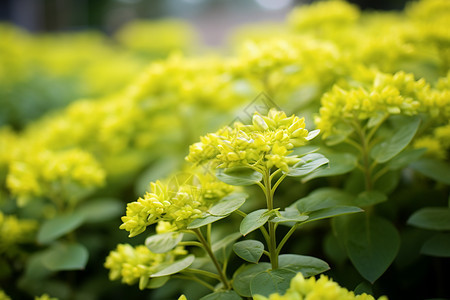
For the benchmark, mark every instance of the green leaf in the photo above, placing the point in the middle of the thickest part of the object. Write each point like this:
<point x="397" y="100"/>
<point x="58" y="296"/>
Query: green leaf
<point x="312" y="134"/>
<point x="228" y="204"/>
<point x="146" y="282"/>
<point x="307" y="265"/>
<point x="289" y="215"/>
<point x="222" y="248"/>
<point x="339" y="163"/>
<point x="63" y="257"/>
<point x="239" y="176"/>
<point x="301" y="151"/>
<point x="249" y="250"/>
<point x="35" y="269"/>
<point x="101" y="209"/>
<point x="58" y="226"/>
<point x="387" y="182"/>
<point x="340" y="133"/>
<point x="433" y="168"/>
<point x="376" y="119"/>
<point x="323" y="198"/>
<point x="438" y="245"/>
<point x="308" y="164"/>
<point x="386" y="150"/>
<point x="175" y="267"/>
<point x="405" y="158"/>
<point x="163" y="242"/>
<point x="435" y="218"/>
<point x="368" y="198"/>
<point x="363" y="287"/>
<point x="272" y="281"/>
<point x="371" y="242"/>
<point x="208" y="219"/>
<point x="254" y="220"/>
<point x="222" y="295"/>
<point x="244" y="275"/>
<point x="157" y="282"/>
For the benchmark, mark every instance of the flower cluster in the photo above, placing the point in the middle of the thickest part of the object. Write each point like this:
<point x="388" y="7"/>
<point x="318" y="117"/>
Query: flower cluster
<point x="322" y="288"/>
<point x="437" y="144"/>
<point x="14" y="231"/>
<point x="323" y="14"/>
<point x="131" y="263"/>
<point x="387" y="95"/>
<point x="177" y="203"/>
<point x="67" y="173"/>
<point x="266" y="143"/>
<point x="261" y="58"/>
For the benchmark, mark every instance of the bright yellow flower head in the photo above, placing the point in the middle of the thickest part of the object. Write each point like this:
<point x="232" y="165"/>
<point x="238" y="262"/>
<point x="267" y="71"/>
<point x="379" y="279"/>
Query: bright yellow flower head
<point x="266" y="143"/>
<point x="322" y="14"/>
<point x="312" y="289"/>
<point x="65" y="174"/>
<point x="388" y="95"/>
<point x="131" y="263"/>
<point x="14" y="231"/>
<point x="173" y="205"/>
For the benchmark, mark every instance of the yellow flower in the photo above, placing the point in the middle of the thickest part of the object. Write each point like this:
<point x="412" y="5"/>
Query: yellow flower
<point x="45" y="297"/>
<point x="323" y="14"/>
<point x="388" y="95"/>
<point x="266" y="143"/>
<point x="173" y="205"/>
<point x="14" y="231"/>
<point x="130" y="263"/>
<point x="310" y="289"/>
<point x="67" y="174"/>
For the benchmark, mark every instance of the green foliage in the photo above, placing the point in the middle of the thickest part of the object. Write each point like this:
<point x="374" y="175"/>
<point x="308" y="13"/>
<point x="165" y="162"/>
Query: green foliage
<point x="238" y="217"/>
<point x="434" y="218"/>
<point x="174" y="267"/>
<point x="390" y="147"/>
<point x="371" y="243"/>
<point x="271" y="281"/>
<point x="255" y="220"/>
<point x="308" y="164"/>
<point x="239" y="176"/>
<point x="163" y="242"/>
<point x="58" y="226"/>
<point x="63" y="257"/>
<point x="249" y="250"/>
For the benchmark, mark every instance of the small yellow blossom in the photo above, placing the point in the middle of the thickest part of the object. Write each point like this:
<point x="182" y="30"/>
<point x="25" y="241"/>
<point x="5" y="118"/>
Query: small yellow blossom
<point x="130" y="263"/>
<point x="54" y="173"/>
<point x="174" y="205"/>
<point x="45" y="297"/>
<point x="312" y="288"/>
<point x="266" y="143"/>
<point x="14" y="231"/>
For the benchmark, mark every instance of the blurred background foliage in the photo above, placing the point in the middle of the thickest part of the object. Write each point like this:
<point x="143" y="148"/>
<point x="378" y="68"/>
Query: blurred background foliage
<point x="98" y="98"/>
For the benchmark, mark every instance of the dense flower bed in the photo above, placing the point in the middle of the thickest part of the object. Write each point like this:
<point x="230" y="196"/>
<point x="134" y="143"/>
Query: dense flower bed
<point x="321" y="146"/>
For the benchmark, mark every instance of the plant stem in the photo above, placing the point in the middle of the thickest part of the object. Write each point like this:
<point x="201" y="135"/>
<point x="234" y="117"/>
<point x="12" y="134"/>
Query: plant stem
<point x="196" y="279"/>
<point x="272" y="243"/>
<point x="190" y="243"/>
<point x="202" y="272"/>
<point x="365" y="156"/>
<point x="207" y="247"/>
<point x="285" y="238"/>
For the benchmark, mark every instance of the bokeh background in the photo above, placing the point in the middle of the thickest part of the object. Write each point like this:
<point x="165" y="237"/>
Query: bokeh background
<point x="214" y="19"/>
